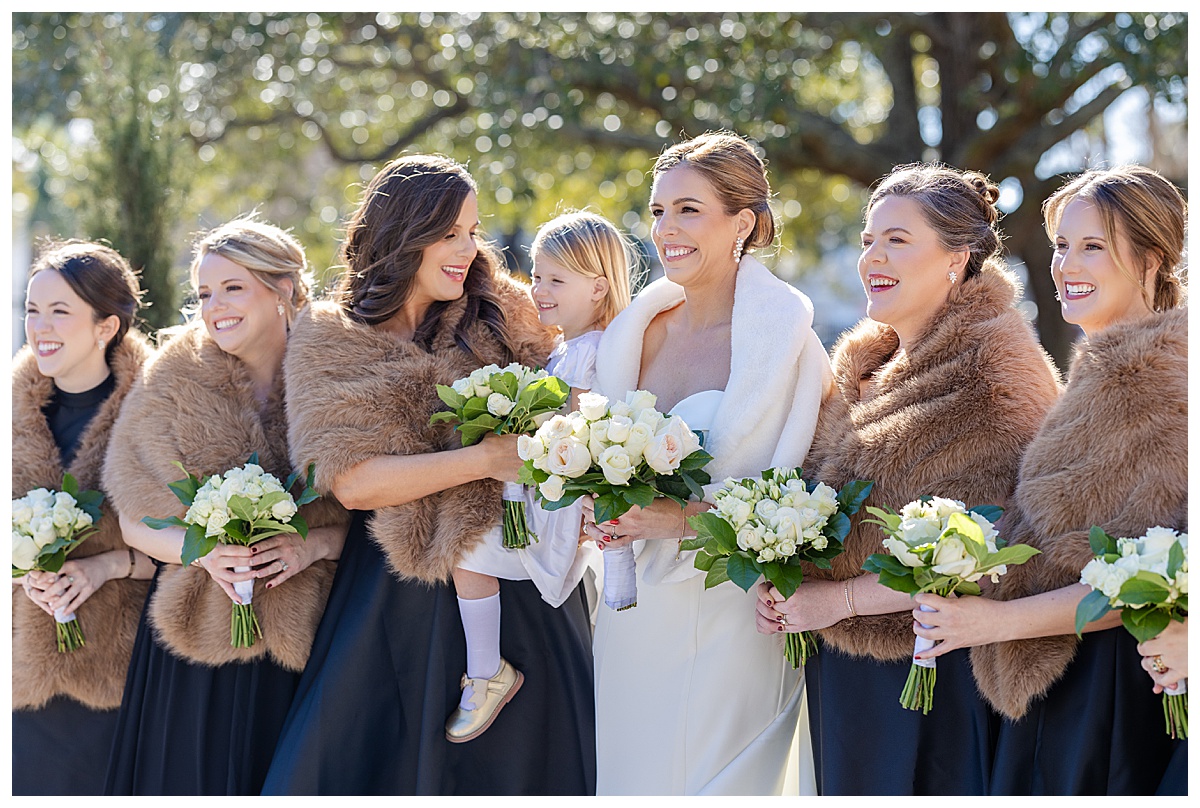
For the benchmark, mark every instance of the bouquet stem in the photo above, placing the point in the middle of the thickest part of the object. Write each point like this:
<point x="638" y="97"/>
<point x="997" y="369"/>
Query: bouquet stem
<point x="918" y="690"/>
<point x="1175" y="711"/>
<point x="517" y="535"/>
<point x="243" y="626"/>
<point x="799" y="648"/>
<point x="68" y="634"/>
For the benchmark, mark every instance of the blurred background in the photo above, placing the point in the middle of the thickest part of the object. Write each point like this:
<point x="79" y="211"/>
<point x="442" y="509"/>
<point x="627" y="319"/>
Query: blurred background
<point x="146" y="129"/>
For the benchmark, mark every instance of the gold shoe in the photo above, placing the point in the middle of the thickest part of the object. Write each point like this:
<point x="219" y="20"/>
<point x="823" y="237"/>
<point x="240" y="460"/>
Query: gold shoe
<point x="489" y="697"/>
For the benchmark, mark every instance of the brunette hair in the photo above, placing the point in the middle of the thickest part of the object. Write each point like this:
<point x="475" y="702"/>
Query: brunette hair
<point x="271" y="256"/>
<point x="1141" y="206"/>
<point x="590" y="245"/>
<point x="100" y="276"/>
<point x="735" y="171"/>
<point x="960" y="206"/>
<point x="409" y="205"/>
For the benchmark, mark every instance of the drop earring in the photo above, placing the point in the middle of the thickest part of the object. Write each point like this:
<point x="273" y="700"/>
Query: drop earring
<point x="737" y="249"/>
<point x="279" y="309"/>
<point x="953" y="276"/>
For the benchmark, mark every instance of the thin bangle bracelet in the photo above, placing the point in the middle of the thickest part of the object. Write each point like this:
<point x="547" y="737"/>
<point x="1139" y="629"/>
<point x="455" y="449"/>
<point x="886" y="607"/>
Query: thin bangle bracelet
<point x="849" y="598"/>
<point x="132" y="562"/>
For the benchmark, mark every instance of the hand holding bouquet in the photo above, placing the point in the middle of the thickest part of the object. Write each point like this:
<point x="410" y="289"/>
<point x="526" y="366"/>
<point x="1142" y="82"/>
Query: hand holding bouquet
<point x="46" y="526"/>
<point x="1146" y="578"/>
<point x="507" y="401"/>
<point x="624" y="453"/>
<point x="938" y="545"/>
<point x="242" y="506"/>
<point x="765" y="526"/>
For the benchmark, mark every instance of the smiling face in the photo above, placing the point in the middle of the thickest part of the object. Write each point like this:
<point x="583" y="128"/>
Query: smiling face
<point x="241" y="313"/>
<point x="62" y="330"/>
<point x="693" y="234"/>
<point x="566" y="299"/>
<point x="445" y="263"/>
<point x="903" y="267"/>
<point x="1095" y="293"/>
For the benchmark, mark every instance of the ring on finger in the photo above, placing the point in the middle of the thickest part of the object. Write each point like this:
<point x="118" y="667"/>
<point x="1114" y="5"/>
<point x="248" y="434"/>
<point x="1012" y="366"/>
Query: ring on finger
<point x="1157" y="663"/>
<point x="283" y="565"/>
<point x="70" y="579"/>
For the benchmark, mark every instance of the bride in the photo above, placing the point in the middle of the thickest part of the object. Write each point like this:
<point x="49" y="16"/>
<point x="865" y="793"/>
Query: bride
<point x="689" y="698"/>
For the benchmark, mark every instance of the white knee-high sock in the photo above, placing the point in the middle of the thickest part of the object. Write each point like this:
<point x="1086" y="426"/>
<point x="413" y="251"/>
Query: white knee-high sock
<point x="481" y="624"/>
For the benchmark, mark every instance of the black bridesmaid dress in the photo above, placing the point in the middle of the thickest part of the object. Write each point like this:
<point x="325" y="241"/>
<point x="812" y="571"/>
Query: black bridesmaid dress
<point x="190" y="729"/>
<point x="370" y="712"/>
<point x="62" y="748"/>
<point x="1098" y="731"/>
<point x="865" y="743"/>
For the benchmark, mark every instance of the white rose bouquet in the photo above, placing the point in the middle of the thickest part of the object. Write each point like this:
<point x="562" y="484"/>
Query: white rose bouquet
<point x="624" y="453"/>
<point x="1147" y="579"/>
<point x="939" y="545"/>
<point x="46" y="526"/>
<point x="511" y="400"/>
<point x="765" y="526"/>
<point x="242" y="506"/>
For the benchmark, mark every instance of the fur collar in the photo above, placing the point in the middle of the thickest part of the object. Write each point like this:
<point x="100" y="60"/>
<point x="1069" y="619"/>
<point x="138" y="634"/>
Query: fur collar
<point x="195" y="404"/>
<point x="355" y="392"/>
<point x="95" y="674"/>
<point x="950" y="418"/>
<point x="1113" y="453"/>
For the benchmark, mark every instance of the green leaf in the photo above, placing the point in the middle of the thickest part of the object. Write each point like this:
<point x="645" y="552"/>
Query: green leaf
<point x="1145" y="624"/>
<point x="838" y="527"/>
<point x="1093" y="606"/>
<point x="716" y="574"/>
<point x="786" y="579"/>
<point x="703" y="560"/>
<point x="878" y="562"/>
<point x="968" y="588"/>
<point x="473" y="408"/>
<point x="1101" y="542"/>
<point x="526" y="476"/>
<point x="637" y="495"/>
<point x="233" y="529"/>
<point x="901" y="583"/>
<point x="450" y="397"/>
<point x="300" y="525"/>
<point x="1143" y="588"/>
<point x="1012" y="555"/>
<point x="161" y="524"/>
<point x="992" y="513"/>
<point x="693" y="485"/>
<point x="609" y="506"/>
<point x="695" y="461"/>
<point x="1175" y="560"/>
<point x="443" y="417"/>
<point x="968" y="528"/>
<point x="51" y="562"/>
<point x="568" y="498"/>
<point x="853" y="494"/>
<point x="241" y="507"/>
<point x="195" y="544"/>
<point x="185" y="489"/>
<point x="709" y="525"/>
<point x="742" y="570"/>
<point x="70" y="486"/>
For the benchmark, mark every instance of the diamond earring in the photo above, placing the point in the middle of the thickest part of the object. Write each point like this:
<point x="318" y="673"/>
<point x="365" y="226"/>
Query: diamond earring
<point x="100" y="344"/>
<point x="953" y="277"/>
<point x="737" y="249"/>
<point x="279" y="308"/>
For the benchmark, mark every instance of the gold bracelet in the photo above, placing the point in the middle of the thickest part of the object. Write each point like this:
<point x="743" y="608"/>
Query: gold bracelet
<point x="850" y="598"/>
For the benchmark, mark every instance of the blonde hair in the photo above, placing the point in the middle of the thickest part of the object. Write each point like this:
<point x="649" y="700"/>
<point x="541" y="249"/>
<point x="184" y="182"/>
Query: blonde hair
<point x="590" y="245"/>
<point x="270" y="254"/>
<point x="1146" y="209"/>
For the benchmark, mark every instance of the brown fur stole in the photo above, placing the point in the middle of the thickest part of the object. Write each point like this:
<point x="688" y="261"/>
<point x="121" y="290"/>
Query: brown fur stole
<point x="94" y="674"/>
<point x="949" y="418"/>
<point x="1113" y="453"/>
<point x="195" y="404"/>
<point x="355" y="392"/>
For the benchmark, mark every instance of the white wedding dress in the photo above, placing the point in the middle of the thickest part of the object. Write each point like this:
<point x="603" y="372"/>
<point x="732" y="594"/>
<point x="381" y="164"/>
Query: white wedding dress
<point x="690" y="698"/>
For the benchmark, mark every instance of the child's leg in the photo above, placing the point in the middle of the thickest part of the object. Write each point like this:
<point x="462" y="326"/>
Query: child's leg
<point x="479" y="608"/>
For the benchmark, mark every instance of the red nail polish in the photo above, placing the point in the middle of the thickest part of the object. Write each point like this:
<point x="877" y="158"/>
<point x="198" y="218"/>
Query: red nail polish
<point x="770" y="603"/>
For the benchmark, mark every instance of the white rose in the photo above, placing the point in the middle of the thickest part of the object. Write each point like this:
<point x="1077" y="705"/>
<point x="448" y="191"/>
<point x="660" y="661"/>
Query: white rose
<point x="819" y="542"/>
<point x="766" y="510"/>
<point x="567" y="457"/>
<point x="42" y="530"/>
<point x="552" y="489"/>
<point x="216" y="522"/>
<point x="902" y="551"/>
<point x="688" y="440"/>
<point x="918" y="510"/>
<point x="556" y="429"/>
<point x="787" y="523"/>
<point x="639" y="400"/>
<point x="950" y="557"/>
<point x="735" y="511"/>
<point x="663" y="453"/>
<point x="786" y="548"/>
<point x="580" y="426"/>
<point x="918" y="531"/>
<point x="21" y="512"/>
<point x="618" y="428"/>
<point x="82" y="519"/>
<point x="40" y="499"/>
<point x="944" y="507"/>
<point x="620" y="408"/>
<point x="530" y="447"/>
<point x="766" y="555"/>
<point x="989" y="531"/>
<point x="640" y="435"/>
<point x="651" y="418"/>
<point x="24" y="551"/>
<point x="499" y="404"/>
<point x="617" y="465"/>
<point x="825" y="500"/>
<point x="1155" y="549"/>
<point x="283" y="510"/>
<point x="593" y="406"/>
<point x="463" y="387"/>
<point x="1107" y="578"/>
<point x="598" y="437"/>
<point x="63" y="516"/>
<point x="742" y="492"/>
<point x="1181" y="581"/>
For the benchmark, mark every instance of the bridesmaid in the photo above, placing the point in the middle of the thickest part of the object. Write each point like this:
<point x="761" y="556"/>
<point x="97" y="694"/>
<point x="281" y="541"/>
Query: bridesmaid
<point x="689" y="700"/>
<point x="199" y="716"/>
<point x="424" y="301"/>
<point x="1082" y="719"/>
<point x="938" y="393"/>
<point x="68" y="382"/>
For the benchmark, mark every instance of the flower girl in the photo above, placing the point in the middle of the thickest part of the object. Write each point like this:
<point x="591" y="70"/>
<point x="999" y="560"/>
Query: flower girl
<point x="581" y="269"/>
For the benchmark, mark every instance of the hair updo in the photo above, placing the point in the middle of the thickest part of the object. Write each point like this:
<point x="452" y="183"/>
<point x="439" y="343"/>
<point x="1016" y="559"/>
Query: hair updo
<point x="1143" y="207"/>
<point x="100" y="276"/>
<point x="735" y="172"/>
<point x="960" y="206"/>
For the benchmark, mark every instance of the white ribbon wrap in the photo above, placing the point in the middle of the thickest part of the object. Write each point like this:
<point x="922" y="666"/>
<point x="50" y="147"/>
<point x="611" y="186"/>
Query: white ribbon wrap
<point x="513" y="492"/>
<point x="1177" y="689"/>
<point x="61" y="617"/>
<point x="244" y="589"/>
<point x="620" y="578"/>
<point x="923" y="644"/>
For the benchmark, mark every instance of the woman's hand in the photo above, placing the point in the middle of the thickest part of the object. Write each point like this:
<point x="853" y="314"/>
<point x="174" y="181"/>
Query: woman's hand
<point x="1165" y="656"/>
<point x="814" y="605"/>
<point x="663" y="519"/>
<point x="78" y="579"/>
<point x="500" y="459"/>
<point x="35" y="584"/>
<point x="220" y="563"/>
<point x="958" y="622"/>
<point x="280" y="557"/>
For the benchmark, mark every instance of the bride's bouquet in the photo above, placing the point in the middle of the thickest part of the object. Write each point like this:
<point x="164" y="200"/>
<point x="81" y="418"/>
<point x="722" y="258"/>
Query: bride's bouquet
<point x="511" y="400"/>
<point x="765" y="526"/>
<point x="624" y="453"/>
<point x="242" y="506"/>
<point x="46" y="526"/>
<point x="1147" y="579"/>
<point x="941" y="546"/>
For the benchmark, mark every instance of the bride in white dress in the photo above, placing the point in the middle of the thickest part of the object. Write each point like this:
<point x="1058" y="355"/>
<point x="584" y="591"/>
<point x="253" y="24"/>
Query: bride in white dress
<point x="690" y="699"/>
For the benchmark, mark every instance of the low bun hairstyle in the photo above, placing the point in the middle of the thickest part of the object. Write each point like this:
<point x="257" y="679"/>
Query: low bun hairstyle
<point x="271" y="255"/>
<point x="735" y="171"/>
<point x="100" y="276"/>
<point x="960" y="206"/>
<point x="1140" y="206"/>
